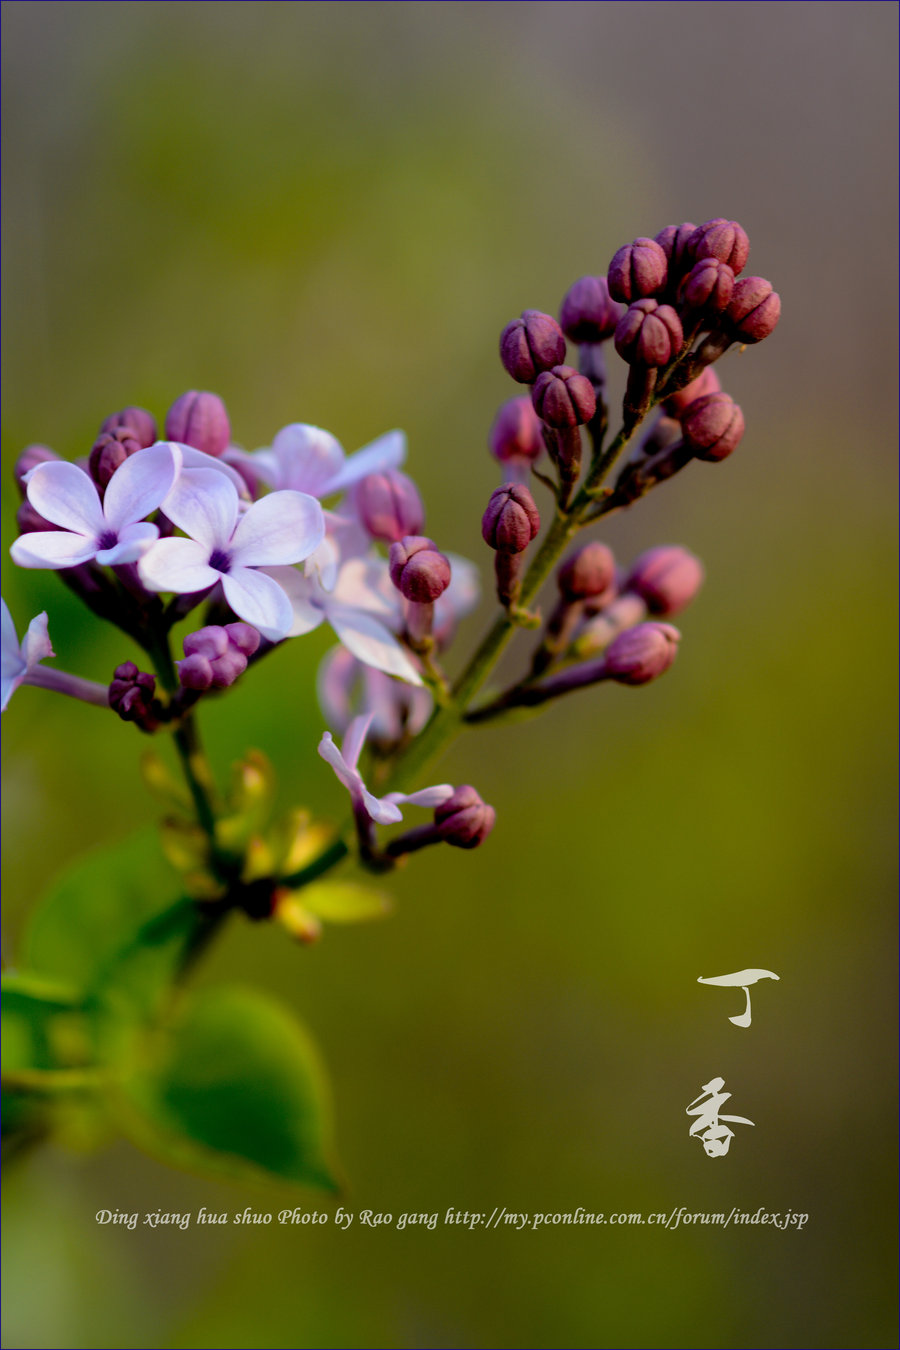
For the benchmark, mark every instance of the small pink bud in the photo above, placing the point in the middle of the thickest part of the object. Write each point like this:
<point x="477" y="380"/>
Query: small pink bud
<point x="199" y="420"/>
<point x="516" y="433"/>
<point x="464" y="820"/>
<point x="141" y="424"/>
<point x="706" y="383"/>
<point x="531" y="344"/>
<point x="713" y="426"/>
<point x="666" y="578"/>
<point x="673" y="241"/>
<point x="754" y="310"/>
<point x="418" y="570"/>
<point x="588" y="572"/>
<point x="649" y="334"/>
<point x="722" y="239"/>
<point x="641" y="654"/>
<point x="511" y="520"/>
<point x="589" y="313"/>
<point x="110" y="450"/>
<point x="215" y="657"/>
<point x="637" y="270"/>
<point x="562" y="398"/>
<point x="388" y="505"/>
<point x="708" y="287"/>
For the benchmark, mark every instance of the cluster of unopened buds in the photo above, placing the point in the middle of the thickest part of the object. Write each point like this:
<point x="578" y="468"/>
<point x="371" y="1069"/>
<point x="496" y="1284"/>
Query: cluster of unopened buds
<point x="146" y="530"/>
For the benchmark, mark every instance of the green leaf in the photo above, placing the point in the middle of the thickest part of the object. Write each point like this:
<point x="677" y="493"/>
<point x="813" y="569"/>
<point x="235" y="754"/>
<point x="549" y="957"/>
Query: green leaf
<point x="344" y="901"/>
<point x="234" y="1087"/>
<point x="108" y="926"/>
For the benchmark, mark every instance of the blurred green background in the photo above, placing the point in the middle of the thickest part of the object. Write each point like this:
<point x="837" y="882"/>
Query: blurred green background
<point x="326" y="213"/>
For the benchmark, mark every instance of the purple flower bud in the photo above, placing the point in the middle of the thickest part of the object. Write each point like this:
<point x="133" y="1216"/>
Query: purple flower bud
<point x="722" y="239"/>
<point x="665" y="431"/>
<point x="511" y="520"/>
<point x="30" y="458"/>
<point x="637" y="270"/>
<point x="516" y="434"/>
<point x="141" y="423"/>
<point x="464" y="820"/>
<point x="29" y="520"/>
<point x="418" y="570"/>
<point x="641" y="654"/>
<point x="649" y="334"/>
<point x="531" y="344"/>
<point x="215" y="657"/>
<point x="111" y="449"/>
<point x="562" y="398"/>
<point x="131" y="695"/>
<point x="706" y="383"/>
<point x="200" y="420"/>
<point x="588" y="313"/>
<point x="713" y="426"/>
<point x="708" y="287"/>
<point x="754" y="310"/>
<point x="673" y="241"/>
<point x="666" y="578"/>
<point x="389" y="505"/>
<point x="588" y="572"/>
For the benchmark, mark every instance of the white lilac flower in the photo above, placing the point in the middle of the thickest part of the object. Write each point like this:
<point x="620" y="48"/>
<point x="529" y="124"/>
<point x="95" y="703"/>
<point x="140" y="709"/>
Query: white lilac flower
<point x="229" y="547"/>
<point x="17" y="662"/>
<point x="383" y="810"/>
<point x="113" y="531"/>
<point x="307" y="459"/>
<point x="346" y="687"/>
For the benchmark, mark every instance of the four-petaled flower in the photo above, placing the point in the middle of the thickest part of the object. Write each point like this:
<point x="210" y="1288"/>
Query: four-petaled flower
<point x="228" y="547"/>
<point x="113" y="531"/>
<point x="307" y="459"/>
<point x="17" y="662"/>
<point x="383" y="810"/>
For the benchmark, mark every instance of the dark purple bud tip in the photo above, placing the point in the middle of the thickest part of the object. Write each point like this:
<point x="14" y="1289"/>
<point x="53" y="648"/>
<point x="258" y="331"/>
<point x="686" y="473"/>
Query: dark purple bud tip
<point x="673" y="241"/>
<point x="111" y="449"/>
<point x="464" y="820"/>
<point x="589" y="313"/>
<point x="388" y="505"/>
<point x="418" y="570"/>
<point x="531" y="344"/>
<point x="637" y="270"/>
<point x="722" y="239"/>
<point x="562" y="398"/>
<point x="642" y="654"/>
<point x="131" y="694"/>
<point x="30" y="458"/>
<point x="588" y="572"/>
<point x="712" y="426"/>
<point x="708" y="287"/>
<point x="141" y="423"/>
<point x="665" y="431"/>
<point x="215" y="657"/>
<point x="649" y="334"/>
<point x="666" y="578"/>
<point x="511" y="520"/>
<point x="200" y="420"/>
<point x="754" y="310"/>
<point x="516" y="433"/>
<point x="707" y="383"/>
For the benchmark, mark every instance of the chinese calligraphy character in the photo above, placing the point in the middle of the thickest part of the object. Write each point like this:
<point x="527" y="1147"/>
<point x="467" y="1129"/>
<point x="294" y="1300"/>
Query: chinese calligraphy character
<point x="740" y="979"/>
<point x="714" y="1135"/>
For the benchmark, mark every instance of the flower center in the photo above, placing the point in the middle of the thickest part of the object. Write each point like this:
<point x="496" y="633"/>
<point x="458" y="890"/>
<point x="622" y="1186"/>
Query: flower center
<point x="108" y="539"/>
<point x="220" y="561"/>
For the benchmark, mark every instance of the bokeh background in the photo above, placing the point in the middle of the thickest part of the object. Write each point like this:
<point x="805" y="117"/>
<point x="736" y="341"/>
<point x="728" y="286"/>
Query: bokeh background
<point x="326" y="213"/>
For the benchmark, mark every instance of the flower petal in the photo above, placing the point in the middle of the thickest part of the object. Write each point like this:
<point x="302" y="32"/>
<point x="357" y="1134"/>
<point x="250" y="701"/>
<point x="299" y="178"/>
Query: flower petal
<point x="11" y="660"/>
<point x="322" y="563"/>
<point x="192" y="458"/>
<point x="335" y="678"/>
<point x="306" y="457"/>
<point x="53" y="548"/>
<point x="284" y="527"/>
<point x="133" y="542"/>
<point x="430" y="796"/>
<point x="354" y="739"/>
<point x="260" y="601"/>
<point x="36" y="645"/>
<point x="204" y="504"/>
<point x="387" y="452"/>
<point x="370" y="642"/>
<point x="140" y="483"/>
<point x="332" y="756"/>
<point x="303" y="593"/>
<point x="177" y="565"/>
<point x="63" y="494"/>
<point x="365" y="583"/>
<point x="381" y="810"/>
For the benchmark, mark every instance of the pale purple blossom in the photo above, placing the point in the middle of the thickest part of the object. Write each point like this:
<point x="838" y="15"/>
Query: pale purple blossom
<point x="227" y="546"/>
<point x="305" y="458"/>
<point x="17" y="662"/>
<point x="382" y="810"/>
<point x="112" y="531"/>
<point x="346" y="687"/>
